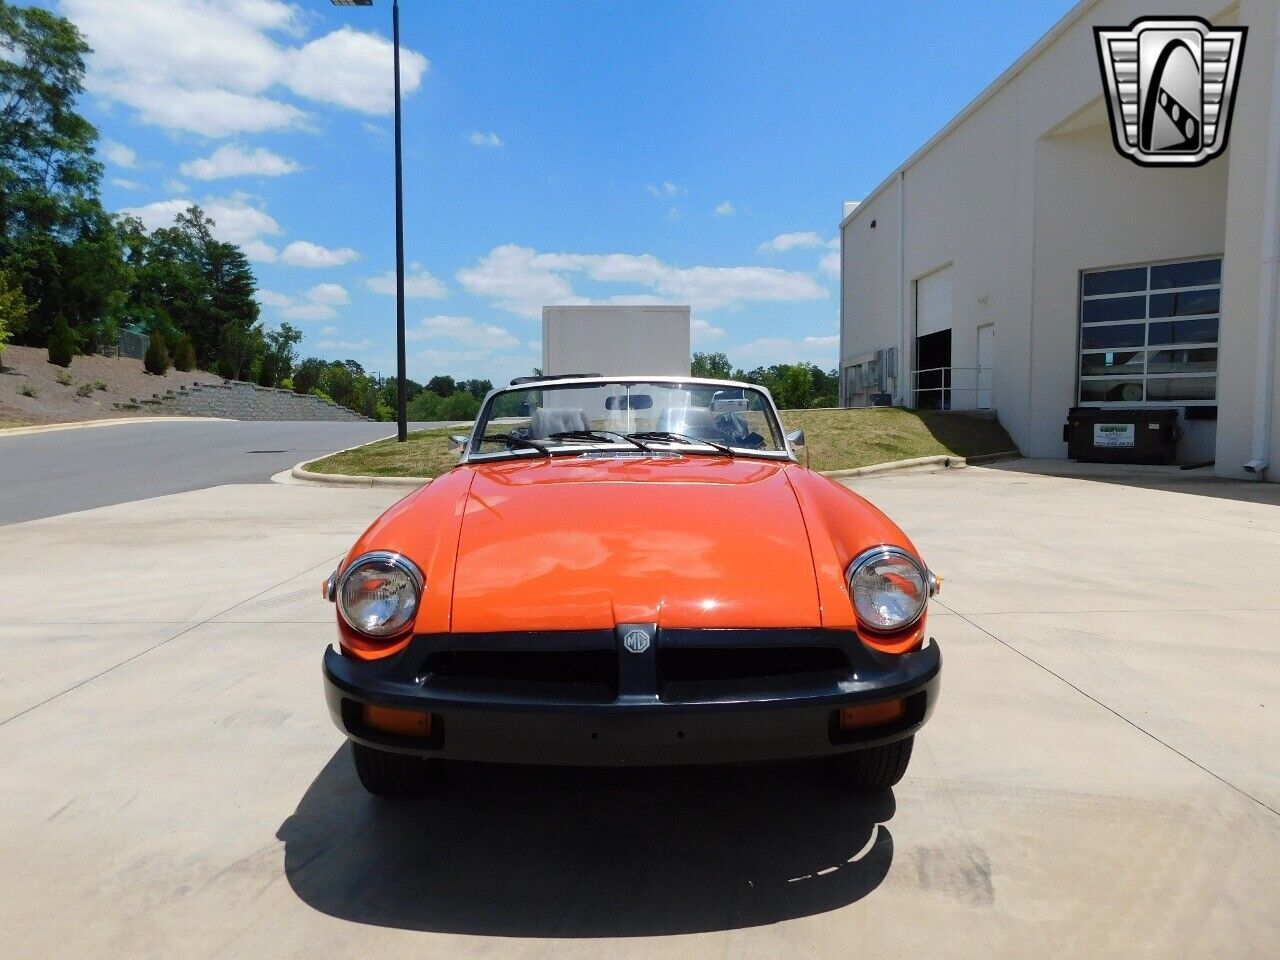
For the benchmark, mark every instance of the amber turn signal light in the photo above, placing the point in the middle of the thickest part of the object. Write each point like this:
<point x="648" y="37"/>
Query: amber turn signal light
<point x="406" y="723"/>
<point x="855" y="718"/>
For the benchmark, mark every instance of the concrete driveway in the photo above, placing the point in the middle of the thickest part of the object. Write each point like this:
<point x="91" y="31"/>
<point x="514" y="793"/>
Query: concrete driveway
<point x="1101" y="778"/>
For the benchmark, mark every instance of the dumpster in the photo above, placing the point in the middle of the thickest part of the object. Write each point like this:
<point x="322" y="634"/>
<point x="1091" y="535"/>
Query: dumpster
<point x="1096" y="435"/>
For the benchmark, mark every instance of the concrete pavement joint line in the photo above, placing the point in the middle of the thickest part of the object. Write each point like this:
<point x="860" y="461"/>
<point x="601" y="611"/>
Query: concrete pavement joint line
<point x="1088" y="696"/>
<point x="180" y="633"/>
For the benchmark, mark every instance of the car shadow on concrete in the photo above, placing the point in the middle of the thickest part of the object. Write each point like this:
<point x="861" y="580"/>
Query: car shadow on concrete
<point x="1198" y="482"/>
<point x="554" y="852"/>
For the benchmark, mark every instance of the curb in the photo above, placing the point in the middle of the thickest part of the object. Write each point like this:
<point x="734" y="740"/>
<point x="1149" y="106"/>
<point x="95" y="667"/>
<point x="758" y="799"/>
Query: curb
<point x="302" y="474"/>
<point x="917" y="463"/>
<point x="80" y="424"/>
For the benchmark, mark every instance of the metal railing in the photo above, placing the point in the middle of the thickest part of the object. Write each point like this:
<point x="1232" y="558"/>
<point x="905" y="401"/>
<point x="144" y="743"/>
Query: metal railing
<point x="951" y="388"/>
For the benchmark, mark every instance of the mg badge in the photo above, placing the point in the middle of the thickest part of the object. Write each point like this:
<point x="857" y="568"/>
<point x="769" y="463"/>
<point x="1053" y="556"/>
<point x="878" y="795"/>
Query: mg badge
<point x="1170" y="86"/>
<point x="636" y="641"/>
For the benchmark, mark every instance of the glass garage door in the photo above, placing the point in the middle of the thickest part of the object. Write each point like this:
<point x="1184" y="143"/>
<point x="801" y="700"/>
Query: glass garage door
<point x="1150" y="334"/>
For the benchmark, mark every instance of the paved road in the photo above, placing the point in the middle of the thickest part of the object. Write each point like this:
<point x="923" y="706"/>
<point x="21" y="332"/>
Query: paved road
<point x="1101" y="778"/>
<point x="46" y="474"/>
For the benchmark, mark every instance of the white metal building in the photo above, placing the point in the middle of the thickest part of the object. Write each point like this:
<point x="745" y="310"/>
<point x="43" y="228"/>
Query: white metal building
<point x="1018" y="262"/>
<point x="620" y="340"/>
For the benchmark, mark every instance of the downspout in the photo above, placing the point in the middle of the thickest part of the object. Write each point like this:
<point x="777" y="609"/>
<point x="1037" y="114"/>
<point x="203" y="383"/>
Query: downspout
<point x="904" y="355"/>
<point x="1264" y="384"/>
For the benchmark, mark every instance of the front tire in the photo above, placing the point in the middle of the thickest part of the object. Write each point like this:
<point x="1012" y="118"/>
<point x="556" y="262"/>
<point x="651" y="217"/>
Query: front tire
<point x="874" y="769"/>
<point x="386" y="774"/>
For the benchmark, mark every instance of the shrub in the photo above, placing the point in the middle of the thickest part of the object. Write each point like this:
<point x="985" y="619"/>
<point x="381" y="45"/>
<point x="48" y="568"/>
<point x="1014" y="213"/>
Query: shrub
<point x="84" y="390"/>
<point x="157" y="359"/>
<point x="62" y="344"/>
<point x="27" y="390"/>
<point x="99" y="384"/>
<point x="286" y="383"/>
<point x="64" y="378"/>
<point x="184" y="354"/>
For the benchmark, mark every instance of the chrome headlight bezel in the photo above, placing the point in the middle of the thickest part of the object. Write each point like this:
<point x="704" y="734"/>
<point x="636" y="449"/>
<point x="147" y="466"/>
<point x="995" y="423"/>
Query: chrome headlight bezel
<point x="388" y="560"/>
<point x="860" y="562"/>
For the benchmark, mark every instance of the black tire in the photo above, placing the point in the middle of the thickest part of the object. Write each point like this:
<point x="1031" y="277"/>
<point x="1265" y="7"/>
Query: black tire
<point x="386" y="774"/>
<point x="872" y="770"/>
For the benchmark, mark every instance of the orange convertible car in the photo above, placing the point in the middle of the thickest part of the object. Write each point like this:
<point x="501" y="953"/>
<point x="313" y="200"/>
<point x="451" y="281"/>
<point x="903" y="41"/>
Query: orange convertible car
<point x="630" y="571"/>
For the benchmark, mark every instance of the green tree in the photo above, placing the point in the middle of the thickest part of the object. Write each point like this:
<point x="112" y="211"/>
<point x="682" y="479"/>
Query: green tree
<point x="184" y="354"/>
<point x="13" y="311"/>
<point x="336" y="382"/>
<point x="54" y="233"/>
<point x="157" y="358"/>
<point x="241" y="346"/>
<point x="62" y="343"/>
<point x="280" y="354"/>
<point x="442" y="386"/>
<point x="715" y="366"/>
<point x="307" y="376"/>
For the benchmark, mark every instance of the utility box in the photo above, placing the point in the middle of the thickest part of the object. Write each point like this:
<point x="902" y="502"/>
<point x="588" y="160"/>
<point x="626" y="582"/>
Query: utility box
<point x="616" y="340"/>
<point x="1095" y="435"/>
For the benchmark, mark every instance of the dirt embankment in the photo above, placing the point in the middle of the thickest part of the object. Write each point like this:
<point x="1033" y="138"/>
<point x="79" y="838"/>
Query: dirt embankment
<point x="31" y="391"/>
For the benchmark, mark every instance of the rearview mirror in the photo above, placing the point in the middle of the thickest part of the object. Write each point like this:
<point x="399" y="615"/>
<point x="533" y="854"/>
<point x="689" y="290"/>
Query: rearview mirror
<point x="456" y="440"/>
<point x="635" y="401"/>
<point x="796" y="438"/>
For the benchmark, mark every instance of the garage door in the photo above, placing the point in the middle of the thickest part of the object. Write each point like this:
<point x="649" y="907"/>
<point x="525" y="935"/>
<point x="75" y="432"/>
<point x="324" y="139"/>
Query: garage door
<point x="933" y="302"/>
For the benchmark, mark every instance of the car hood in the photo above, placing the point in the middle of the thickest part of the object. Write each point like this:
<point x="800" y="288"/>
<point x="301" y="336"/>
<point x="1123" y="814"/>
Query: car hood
<point x="581" y="544"/>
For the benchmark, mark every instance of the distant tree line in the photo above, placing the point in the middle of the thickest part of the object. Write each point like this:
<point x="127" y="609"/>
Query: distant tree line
<point x="795" y="386"/>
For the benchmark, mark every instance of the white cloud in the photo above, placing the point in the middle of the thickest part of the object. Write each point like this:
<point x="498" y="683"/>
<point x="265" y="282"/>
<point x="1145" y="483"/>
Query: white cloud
<point x="830" y="263"/>
<point x="350" y="69"/>
<point x="489" y="139"/>
<point x="801" y="240"/>
<point x="522" y="281"/>
<point x="725" y="208"/>
<point x="329" y="332"/>
<point x="770" y="350"/>
<point x="703" y="332"/>
<point x="120" y="155"/>
<point x="235" y="220"/>
<point x="318" y="303"/>
<point x="304" y="253"/>
<point x="334" y="294"/>
<point x="468" y="364"/>
<point x="464" y="330"/>
<point x="230" y="160"/>
<point x="176" y="186"/>
<point x="220" y="67"/>
<point x="418" y="284"/>
<point x="664" y="190"/>
<point x="354" y="346"/>
<point x="124" y="184"/>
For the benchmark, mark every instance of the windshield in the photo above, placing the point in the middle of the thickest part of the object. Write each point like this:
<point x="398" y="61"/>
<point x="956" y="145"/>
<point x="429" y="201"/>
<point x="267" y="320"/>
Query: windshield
<point x="537" y="420"/>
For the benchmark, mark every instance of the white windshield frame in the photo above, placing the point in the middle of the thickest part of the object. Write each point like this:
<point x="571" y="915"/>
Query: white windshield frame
<point x="471" y="453"/>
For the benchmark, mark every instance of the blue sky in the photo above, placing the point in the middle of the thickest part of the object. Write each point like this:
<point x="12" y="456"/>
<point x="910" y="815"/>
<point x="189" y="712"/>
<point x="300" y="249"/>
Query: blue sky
<point x="554" y="152"/>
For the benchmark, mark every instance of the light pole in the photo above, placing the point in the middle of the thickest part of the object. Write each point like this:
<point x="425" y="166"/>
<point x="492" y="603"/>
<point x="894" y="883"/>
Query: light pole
<point x="402" y="422"/>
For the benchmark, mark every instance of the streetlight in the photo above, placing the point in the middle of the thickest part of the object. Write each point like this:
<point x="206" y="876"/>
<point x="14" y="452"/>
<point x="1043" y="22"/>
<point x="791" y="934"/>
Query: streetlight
<point x="402" y="424"/>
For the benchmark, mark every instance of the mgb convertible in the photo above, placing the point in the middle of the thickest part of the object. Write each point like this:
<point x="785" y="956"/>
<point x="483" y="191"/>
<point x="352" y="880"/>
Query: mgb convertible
<point x="630" y="571"/>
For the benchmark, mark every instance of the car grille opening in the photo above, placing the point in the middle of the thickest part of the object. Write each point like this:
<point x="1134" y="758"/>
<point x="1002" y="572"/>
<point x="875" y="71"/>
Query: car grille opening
<point x="527" y="666"/>
<point x="695" y="664"/>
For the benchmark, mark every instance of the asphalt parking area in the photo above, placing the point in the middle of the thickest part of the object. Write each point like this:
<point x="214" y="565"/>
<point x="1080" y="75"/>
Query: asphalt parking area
<point x="1102" y="776"/>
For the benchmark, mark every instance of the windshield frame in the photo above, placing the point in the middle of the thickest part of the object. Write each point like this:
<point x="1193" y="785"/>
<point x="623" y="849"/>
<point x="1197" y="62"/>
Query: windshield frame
<point x="659" y="448"/>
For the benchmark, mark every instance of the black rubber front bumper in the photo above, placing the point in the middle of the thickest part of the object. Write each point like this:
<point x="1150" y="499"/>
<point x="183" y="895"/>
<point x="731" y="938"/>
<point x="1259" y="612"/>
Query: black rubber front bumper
<point x="587" y="698"/>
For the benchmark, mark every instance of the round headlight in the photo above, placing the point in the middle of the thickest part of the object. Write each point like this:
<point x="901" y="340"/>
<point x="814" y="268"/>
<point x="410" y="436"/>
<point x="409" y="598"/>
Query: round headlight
<point x="889" y="588"/>
<point x="378" y="594"/>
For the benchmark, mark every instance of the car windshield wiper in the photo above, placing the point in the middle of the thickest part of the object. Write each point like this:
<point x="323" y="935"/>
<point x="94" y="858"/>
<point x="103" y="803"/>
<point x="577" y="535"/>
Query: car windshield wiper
<point x="604" y="435"/>
<point x="681" y="438"/>
<point x="514" y="442"/>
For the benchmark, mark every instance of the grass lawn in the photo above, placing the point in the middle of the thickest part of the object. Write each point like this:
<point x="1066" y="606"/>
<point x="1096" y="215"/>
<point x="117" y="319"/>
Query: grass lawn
<point x="837" y="440"/>
<point x="842" y="439"/>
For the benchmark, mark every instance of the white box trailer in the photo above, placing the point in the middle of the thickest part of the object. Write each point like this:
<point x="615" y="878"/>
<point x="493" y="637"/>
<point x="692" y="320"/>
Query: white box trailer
<point x="617" y="340"/>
